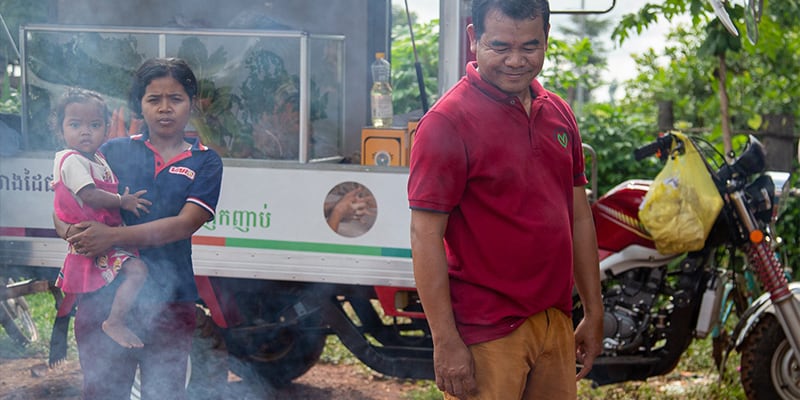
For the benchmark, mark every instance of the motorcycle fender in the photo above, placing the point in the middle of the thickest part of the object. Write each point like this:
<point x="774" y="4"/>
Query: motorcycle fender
<point x="762" y="305"/>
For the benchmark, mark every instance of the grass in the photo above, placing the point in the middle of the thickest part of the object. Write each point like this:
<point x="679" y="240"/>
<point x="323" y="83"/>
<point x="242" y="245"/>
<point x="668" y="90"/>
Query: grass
<point x="43" y="312"/>
<point x="694" y="377"/>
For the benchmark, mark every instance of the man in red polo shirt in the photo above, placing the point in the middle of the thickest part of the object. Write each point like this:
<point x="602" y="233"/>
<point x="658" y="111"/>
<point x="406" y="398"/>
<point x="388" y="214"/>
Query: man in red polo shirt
<point x="501" y="228"/>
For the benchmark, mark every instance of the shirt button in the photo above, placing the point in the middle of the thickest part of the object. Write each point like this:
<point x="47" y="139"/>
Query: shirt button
<point x="513" y="102"/>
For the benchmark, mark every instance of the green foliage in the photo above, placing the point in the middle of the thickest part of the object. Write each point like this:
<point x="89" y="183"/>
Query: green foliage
<point x="214" y="120"/>
<point x="579" y="53"/>
<point x="265" y="74"/>
<point x="43" y="312"/>
<point x="614" y="134"/>
<point x="570" y="65"/>
<point x="651" y="13"/>
<point x="406" y="94"/>
<point x="10" y="102"/>
<point x="427" y="391"/>
<point x="718" y="41"/>
<point x="16" y="13"/>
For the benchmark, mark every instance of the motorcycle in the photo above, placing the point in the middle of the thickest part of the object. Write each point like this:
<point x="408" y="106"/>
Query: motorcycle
<point x="657" y="304"/>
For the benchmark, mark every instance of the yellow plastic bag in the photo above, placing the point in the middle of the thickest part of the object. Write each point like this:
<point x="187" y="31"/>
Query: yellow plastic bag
<point x="682" y="204"/>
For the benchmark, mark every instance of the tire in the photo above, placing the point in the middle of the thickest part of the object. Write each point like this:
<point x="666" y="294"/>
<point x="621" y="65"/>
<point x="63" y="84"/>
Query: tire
<point x="281" y="337"/>
<point x="207" y="367"/>
<point x="15" y="316"/>
<point x="277" y="359"/>
<point x="768" y="367"/>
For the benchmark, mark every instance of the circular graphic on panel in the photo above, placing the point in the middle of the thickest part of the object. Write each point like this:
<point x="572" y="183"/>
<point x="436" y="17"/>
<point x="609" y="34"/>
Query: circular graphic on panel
<point x="350" y="209"/>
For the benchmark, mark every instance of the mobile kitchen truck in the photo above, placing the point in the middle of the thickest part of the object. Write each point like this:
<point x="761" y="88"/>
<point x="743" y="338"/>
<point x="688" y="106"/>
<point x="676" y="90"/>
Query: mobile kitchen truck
<point x="276" y="277"/>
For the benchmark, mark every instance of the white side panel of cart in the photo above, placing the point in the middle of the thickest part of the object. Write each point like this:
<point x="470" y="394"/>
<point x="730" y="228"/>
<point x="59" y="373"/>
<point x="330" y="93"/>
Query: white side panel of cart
<point x="288" y="238"/>
<point x="270" y="225"/>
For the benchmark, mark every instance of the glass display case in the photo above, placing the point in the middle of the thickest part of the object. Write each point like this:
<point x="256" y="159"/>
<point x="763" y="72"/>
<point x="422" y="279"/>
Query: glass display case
<point x="275" y="95"/>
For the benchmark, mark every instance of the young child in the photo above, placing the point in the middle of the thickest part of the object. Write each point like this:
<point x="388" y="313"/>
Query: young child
<point x="87" y="190"/>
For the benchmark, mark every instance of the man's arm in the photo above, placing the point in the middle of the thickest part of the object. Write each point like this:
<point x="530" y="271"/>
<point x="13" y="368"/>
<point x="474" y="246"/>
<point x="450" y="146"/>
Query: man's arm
<point x="96" y="238"/>
<point x="589" y="333"/>
<point x="451" y="357"/>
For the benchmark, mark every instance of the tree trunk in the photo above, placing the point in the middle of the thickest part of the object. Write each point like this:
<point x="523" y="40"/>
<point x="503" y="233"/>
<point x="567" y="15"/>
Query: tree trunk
<point x="724" y="107"/>
<point x="666" y="117"/>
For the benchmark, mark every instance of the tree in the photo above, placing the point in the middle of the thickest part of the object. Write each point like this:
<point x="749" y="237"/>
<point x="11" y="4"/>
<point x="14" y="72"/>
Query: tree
<point x="569" y="65"/>
<point x="741" y="65"/>
<point x="718" y="42"/>
<point x="406" y="95"/>
<point x="591" y="29"/>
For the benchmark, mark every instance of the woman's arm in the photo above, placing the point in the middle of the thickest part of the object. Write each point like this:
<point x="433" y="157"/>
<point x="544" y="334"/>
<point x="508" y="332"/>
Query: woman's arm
<point x="96" y="238"/>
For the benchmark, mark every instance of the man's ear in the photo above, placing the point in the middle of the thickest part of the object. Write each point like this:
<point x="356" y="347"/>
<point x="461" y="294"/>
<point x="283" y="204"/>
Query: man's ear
<point x="473" y="39"/>
<point x="547" y="33"/>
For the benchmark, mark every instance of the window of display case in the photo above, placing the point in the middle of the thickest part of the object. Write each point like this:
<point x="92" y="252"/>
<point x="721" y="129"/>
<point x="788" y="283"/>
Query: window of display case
<point x="276" y="95"/>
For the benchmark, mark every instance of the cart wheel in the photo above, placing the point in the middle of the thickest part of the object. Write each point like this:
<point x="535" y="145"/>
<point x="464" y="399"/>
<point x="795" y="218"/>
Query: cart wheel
<point x="15" y="316"/>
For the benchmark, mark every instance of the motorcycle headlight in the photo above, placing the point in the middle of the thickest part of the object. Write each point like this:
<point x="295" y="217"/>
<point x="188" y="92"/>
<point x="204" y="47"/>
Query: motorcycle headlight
<point x="781" y="182"/>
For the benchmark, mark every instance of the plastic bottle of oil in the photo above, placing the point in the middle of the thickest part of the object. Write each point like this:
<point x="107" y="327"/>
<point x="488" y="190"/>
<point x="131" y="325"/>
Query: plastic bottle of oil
<point x="381" y="92"/>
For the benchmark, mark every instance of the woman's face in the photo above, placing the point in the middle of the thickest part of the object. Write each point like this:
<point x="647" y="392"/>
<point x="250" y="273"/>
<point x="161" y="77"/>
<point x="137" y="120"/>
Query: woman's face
<point x="166" y="107"/>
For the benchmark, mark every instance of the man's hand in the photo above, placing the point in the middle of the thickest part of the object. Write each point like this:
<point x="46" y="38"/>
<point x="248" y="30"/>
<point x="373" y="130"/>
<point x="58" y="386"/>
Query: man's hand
<point x="588" y="345"/>
<point x="454" y="368"/>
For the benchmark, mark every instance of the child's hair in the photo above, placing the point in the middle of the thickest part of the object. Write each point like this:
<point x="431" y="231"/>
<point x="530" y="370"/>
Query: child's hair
<point x="76" y="95"/>
<point x="155" y="68"/>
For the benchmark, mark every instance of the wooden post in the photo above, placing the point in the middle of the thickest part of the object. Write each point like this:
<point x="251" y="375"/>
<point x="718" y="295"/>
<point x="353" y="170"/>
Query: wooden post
<point x="778" y="138"/>
<point x="666" y="118"/>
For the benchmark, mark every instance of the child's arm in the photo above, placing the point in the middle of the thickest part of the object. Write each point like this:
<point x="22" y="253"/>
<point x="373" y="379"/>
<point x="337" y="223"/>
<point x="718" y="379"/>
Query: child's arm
<point x="97" y="198"/>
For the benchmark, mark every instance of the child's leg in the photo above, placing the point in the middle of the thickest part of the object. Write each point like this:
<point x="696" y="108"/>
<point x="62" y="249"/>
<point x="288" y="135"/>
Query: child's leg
<point x="133" y="275"/>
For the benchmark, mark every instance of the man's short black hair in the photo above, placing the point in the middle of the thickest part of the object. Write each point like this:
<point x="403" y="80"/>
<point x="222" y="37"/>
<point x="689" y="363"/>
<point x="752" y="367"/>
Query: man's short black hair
<point x="517" y="9"/>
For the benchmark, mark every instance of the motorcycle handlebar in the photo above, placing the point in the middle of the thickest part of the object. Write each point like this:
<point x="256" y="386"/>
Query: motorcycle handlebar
<point x="662" y="144"/>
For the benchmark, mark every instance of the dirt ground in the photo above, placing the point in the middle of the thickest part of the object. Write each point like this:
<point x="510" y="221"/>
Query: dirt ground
<point x="30" y="378"/>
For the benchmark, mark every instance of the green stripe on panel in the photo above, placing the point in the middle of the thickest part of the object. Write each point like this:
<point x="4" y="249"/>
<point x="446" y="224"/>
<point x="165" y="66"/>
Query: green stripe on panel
<point x="317" y="247"/>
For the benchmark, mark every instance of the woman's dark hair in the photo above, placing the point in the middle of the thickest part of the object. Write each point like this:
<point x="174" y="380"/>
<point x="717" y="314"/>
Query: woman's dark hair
<point x="516" y="9"/>
<point x="155" y="68"/>
<point x="76" y="95"/>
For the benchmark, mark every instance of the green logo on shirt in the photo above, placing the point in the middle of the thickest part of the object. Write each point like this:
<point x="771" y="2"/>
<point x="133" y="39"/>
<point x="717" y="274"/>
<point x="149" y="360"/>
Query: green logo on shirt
<point x="563" y="139"/>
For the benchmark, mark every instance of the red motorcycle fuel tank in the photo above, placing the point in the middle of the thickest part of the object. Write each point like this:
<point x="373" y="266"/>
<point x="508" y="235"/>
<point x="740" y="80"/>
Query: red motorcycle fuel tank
<point x="616" y="218"/>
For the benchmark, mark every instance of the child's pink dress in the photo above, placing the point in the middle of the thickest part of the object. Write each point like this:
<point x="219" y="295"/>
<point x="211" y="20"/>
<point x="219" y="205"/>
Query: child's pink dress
<point x="81" y="274"/>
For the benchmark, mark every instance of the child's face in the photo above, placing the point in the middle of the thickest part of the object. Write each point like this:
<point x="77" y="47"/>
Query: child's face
<point x="84" y="126"/>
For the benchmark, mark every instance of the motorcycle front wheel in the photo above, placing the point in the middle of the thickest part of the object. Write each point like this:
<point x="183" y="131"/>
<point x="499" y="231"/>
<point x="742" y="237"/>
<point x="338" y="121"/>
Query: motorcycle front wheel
<point x="16" y="319"/>
<point x="769" y="369"/>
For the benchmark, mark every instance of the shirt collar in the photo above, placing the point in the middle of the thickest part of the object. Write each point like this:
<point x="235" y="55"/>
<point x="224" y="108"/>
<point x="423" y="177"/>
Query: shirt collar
<point x="194" y="141"/>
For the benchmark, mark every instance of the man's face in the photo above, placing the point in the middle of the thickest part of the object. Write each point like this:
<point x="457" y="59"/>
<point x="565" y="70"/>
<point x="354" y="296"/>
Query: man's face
<point x="510" y="53"/>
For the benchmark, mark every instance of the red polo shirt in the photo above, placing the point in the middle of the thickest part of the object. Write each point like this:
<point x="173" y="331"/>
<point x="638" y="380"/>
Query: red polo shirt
<point x="506" y="179"/>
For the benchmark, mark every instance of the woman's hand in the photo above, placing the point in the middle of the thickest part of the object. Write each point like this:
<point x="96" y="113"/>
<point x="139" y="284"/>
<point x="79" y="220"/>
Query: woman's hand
<point x="92" y="238"/>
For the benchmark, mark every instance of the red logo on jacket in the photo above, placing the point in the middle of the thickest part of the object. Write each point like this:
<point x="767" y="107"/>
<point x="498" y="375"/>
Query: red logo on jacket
<point x="182" y="171"/>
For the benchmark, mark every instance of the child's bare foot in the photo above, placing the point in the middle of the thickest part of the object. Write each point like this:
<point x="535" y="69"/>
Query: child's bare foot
<point x="122" y="335"/>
